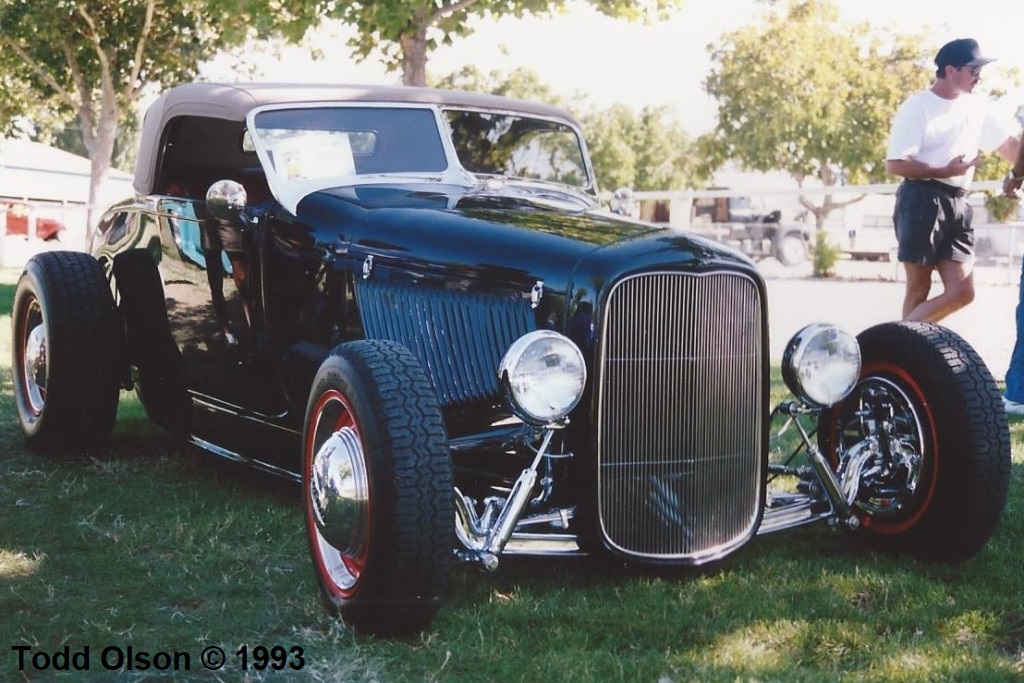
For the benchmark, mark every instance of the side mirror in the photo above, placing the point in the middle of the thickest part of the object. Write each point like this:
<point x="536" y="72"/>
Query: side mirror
<point x="226" y="199"/>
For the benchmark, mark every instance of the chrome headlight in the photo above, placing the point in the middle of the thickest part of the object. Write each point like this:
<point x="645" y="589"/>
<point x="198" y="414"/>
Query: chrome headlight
<point x="821" y="364"/>
<point x="543" y="375"/>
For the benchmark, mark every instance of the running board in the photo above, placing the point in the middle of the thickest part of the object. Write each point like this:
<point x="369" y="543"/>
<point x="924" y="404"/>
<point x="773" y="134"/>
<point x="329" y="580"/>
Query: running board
<point x="249" y="462"/>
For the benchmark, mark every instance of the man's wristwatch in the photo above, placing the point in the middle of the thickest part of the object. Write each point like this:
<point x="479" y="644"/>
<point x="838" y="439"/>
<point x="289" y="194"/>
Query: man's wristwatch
<point x="1014" y="178"/>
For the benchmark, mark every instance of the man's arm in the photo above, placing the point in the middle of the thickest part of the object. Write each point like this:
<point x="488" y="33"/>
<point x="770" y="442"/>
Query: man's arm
<point x="918" y="170"/>
<point x="1013" y="150"/>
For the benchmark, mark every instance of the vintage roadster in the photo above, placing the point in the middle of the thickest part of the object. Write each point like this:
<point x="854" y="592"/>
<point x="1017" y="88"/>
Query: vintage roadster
<point x="412" y="302"/>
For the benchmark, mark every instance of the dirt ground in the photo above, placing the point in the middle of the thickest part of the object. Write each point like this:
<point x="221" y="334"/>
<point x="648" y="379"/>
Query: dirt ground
<point x="864" y="293"/>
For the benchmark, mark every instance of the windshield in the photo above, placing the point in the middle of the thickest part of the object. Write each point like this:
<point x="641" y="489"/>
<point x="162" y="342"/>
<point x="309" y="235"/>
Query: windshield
<point x="499" y="144"/>
<point x="309" y="143"/>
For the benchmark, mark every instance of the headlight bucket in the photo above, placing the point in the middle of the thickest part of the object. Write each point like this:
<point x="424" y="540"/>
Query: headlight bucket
<point x="543" y="375"/>
<point x="821" y="364"/>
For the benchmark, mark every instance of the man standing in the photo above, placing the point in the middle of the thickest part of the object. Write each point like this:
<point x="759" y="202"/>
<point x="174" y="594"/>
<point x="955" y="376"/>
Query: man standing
<point x="934" y="144"/>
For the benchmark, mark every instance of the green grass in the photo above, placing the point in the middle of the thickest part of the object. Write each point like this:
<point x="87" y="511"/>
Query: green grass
<point x="154" y="546"/>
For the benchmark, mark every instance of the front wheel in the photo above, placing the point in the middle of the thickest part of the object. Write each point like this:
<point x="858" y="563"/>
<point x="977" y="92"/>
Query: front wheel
<point x="377" y="484"/>
<point x="925" y="436"/>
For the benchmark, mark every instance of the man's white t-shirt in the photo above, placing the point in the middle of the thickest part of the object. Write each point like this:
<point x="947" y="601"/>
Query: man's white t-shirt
<point x="935" y="130"/>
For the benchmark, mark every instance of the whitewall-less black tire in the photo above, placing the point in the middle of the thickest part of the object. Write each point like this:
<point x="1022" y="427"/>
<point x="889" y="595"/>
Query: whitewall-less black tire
<point x="66" y="343"/>
<point x="377" y="486"/>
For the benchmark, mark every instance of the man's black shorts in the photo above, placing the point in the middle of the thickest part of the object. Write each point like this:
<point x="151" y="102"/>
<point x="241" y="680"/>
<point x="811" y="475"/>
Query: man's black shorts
<point x="933" y="223"/>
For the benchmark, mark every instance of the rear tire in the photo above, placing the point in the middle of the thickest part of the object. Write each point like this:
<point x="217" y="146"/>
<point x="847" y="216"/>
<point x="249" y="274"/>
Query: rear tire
<point x="378" y="491"/>
<point x="938" y="484"/>
<point x="65" y="345"/>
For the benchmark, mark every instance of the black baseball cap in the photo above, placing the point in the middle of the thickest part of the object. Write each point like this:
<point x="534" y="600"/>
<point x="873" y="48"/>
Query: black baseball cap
<point x="961" y="52"/>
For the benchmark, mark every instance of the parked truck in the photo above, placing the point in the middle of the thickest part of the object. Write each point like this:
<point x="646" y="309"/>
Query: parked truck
<point x="758" y="232"/>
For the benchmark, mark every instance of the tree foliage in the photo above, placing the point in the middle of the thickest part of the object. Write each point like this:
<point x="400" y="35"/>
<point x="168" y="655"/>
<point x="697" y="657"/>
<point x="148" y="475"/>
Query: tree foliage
<point x="90" y="61"/>
<point x="404" y="32"/>
<point x="801" y="92"/>
<point x="647" y="150"/>
<point x="521" y="83"/>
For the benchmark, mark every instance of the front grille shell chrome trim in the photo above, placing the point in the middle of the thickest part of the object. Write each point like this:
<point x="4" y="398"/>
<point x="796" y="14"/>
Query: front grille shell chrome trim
<point x="681" y="415"/>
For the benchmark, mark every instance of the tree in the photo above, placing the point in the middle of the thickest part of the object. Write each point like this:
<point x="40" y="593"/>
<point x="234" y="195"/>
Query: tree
<point x="521" y="83"/>
<point x="645" y="151"/>
<point x="90" y="61"/>
<point x="405" y="31"/>
<point x="611" y="137"/>
<point x="803" y="93"/>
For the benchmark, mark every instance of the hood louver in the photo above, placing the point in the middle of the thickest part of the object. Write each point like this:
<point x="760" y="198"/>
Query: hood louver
<point x="459" y="338"/>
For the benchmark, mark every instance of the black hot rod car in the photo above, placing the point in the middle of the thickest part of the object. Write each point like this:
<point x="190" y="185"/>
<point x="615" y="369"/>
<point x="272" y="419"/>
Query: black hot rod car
<point x="411" y="302"/>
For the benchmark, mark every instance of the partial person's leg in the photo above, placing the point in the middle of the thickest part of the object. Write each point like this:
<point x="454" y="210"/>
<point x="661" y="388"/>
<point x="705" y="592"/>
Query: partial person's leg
<point x="958" y="291"/>
<point x="919" y="284"/>
<point x="1015" y="373"/>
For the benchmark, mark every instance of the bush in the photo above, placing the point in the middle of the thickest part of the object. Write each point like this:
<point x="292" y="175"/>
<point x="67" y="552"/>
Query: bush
<point x="826" y="255"/>
<point x="1000" y="207"/>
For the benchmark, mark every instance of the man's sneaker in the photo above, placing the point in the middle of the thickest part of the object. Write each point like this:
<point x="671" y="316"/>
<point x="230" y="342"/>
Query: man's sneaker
<point x="1012" y="407"/>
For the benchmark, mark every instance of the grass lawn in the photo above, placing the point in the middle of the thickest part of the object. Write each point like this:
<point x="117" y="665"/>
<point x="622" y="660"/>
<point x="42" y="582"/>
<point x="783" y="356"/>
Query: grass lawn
<point x="153" y="547"/>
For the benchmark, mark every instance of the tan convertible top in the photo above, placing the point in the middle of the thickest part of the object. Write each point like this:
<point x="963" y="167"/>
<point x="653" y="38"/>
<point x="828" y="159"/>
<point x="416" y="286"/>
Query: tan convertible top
<point x="233" y="101"/>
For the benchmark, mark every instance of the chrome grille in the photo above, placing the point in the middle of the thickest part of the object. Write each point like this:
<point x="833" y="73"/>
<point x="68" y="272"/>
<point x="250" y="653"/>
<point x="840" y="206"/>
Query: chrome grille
<point x="681" y="415"/>
<point x="458" y="337"/>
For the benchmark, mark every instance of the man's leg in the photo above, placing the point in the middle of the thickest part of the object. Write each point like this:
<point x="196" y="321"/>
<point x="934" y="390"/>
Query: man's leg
<point x="919" y="283"/>
<point x="958" y="291"/>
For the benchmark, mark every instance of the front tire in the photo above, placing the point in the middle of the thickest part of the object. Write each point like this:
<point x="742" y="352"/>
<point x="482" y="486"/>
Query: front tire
<point x="378" y="490"/>
<point x="65" y="342"/>
<point x="927" y="423"/>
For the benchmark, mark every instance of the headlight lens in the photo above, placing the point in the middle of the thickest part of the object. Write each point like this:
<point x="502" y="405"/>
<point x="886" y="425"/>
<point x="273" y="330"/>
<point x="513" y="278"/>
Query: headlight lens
<point x="543" y="375"/>
<point x="821" y="364"/>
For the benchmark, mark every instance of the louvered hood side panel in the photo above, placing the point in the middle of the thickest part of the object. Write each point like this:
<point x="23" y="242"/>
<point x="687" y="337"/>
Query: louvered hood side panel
<point x="459" y="338"/>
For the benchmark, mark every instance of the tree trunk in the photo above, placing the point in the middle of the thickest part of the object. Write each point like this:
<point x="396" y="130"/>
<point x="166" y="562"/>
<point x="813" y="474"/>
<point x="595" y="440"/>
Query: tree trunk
<point x="414" y="56"/>
<point x="99" y="131"/>
<point x="101" y="155"/>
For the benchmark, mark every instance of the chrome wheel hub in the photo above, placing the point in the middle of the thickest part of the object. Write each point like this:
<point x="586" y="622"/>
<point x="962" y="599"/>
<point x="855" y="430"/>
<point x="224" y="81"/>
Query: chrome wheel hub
<point x="34" y="368"/>
<point x="339" y="491"/>
<point x="883" y="448"/>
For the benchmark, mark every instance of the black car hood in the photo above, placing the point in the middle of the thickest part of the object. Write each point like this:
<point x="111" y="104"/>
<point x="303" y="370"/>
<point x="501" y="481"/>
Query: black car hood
<point x="556" y="214"/>
<point x="506" y="235"/>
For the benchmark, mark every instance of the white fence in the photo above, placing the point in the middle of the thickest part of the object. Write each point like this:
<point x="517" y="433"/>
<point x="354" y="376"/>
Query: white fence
<point x="862" y="229"/>
<point x="28" y="227"/>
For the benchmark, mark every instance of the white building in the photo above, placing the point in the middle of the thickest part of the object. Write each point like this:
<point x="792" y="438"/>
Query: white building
<point x="48" y="183"/>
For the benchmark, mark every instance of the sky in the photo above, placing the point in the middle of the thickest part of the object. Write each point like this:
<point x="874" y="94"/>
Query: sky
<point x="609" y="61"/>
